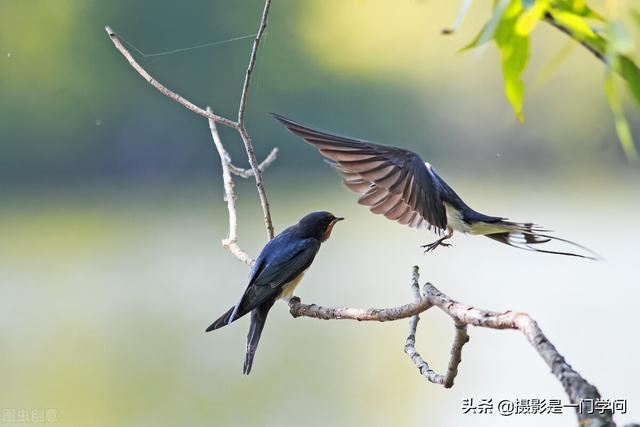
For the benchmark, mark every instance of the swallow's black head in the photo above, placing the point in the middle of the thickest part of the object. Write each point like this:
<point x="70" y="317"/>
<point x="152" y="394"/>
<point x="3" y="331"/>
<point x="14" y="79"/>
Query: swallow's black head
<point x="318" y="225"/>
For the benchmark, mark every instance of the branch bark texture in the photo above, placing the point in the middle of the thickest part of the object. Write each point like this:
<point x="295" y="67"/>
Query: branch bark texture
<point x="576" y="387"/>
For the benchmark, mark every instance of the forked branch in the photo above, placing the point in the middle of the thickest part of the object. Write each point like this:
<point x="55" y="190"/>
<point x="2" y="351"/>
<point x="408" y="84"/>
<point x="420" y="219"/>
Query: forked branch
<point x="228" y="168"/>
<point x="576" y="387"/>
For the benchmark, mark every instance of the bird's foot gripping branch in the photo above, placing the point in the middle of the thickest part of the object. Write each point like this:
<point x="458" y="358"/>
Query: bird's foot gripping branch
<point x="428" y="296"/>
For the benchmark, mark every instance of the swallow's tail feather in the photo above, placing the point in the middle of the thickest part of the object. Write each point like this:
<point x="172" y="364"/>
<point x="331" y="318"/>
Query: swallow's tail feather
<point x="223" y="320"/>
<point x="258" y="319"/>
<point x="529" y="237"/>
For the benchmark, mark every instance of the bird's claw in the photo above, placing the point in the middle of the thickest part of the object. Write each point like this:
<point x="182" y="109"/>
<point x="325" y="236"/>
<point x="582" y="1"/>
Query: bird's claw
<point x="432" y="246"/>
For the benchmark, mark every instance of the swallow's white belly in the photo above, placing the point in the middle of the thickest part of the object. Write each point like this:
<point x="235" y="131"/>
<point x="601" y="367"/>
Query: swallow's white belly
<point x="455" y="221"/>
<point x="288" y="289"/>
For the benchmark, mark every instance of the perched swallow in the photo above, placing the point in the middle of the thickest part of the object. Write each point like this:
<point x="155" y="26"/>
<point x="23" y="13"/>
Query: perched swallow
<point x="398" y="184"/>
<point x="276" y="273"/>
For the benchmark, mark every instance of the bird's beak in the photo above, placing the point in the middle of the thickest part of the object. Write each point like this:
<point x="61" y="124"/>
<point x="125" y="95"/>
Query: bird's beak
<point x="327" y="233"/>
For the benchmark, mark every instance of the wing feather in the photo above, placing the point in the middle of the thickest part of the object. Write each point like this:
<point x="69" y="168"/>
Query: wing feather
<point x="407" y="217"/>
<point x="394" y="182"/>
<point x="372" y="197"/>
<point x="358" y="185"/>
<point x="397" y="212"/>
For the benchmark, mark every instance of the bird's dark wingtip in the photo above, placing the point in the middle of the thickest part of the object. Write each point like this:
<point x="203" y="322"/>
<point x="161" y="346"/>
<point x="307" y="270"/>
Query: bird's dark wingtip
<point x="282" y="119"/>
<point x="223" y="320"/>
<point x="215" y="325"/>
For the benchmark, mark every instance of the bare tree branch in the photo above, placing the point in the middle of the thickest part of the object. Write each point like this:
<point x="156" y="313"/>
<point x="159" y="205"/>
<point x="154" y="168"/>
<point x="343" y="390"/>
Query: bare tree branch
<point x="256" y="169"/>
<point x="576" y="387"/>
<point x="231" y="242"/>
<point x="460" y="339"/>
<point x="410" y="345"/>
<point x="167" y="92"/>
<point x="257" y="175"/>
<point x="248" y="173"/>
<point x="297" y="309"/>
<point x="252" y="61"/>
<point x="264" y="201"/>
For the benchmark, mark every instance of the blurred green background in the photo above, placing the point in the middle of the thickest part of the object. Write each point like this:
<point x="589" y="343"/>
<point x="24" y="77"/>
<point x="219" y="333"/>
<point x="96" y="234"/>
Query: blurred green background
<point x="111" y="214"/>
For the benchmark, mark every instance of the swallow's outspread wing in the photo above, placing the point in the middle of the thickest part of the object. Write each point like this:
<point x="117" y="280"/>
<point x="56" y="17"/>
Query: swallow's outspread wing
<point x="398" y="184"/>
<point x="393" y="182"/>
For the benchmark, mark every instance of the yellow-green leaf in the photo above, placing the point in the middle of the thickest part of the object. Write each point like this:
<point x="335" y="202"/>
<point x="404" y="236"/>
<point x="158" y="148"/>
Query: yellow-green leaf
<point x="475" y="42"/>
<point x="514" y="54"/>
<point x="530" y="18"/>
<point x="501" y="9"/>
<point x="577" y="7"/>
<point x="574" y="23"/>
<point x="631" y="74"/>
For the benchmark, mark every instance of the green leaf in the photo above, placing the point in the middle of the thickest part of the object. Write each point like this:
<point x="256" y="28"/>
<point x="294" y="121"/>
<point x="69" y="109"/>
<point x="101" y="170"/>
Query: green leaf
<point x="577" y="7"/>
<point x="631" y="74"/>
<point x="619" y="45"/>
<point x="530" y="18"/>
<point x="622" y="126"/>
<point x="574" y="23"/>
<point x="488" y="29"/>
<point x="475" y="42"/>
<point x="500" y="10"/>
<point x="514" y="54"/>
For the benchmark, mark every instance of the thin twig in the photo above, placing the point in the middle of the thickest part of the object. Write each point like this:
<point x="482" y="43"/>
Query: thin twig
<point x="257" y="174"/>
<point x="576" y="387"/>
<point x="231" y="242"/>
<point x="262" y="194"/>
<point x="248" y="173"/>
<point x="163" y="89"/>
<point x="252" y="61"/>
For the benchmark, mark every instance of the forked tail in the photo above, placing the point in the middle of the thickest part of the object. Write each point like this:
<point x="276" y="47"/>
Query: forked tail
<point x="529" y="236"/>
<point x="258" y="319"/>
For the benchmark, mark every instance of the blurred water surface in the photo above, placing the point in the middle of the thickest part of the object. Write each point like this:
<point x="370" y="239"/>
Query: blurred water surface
<point x="105" y="299"/>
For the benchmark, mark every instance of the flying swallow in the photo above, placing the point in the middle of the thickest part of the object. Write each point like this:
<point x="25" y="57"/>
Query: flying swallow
<point x="276" y="273"/>
<point x="398" y="184"/>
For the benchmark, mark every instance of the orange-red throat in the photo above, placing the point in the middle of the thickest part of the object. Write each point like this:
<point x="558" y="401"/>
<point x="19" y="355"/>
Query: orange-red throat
<point x="327" y="233"/>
